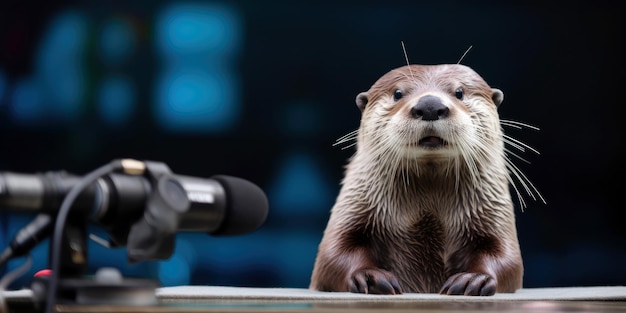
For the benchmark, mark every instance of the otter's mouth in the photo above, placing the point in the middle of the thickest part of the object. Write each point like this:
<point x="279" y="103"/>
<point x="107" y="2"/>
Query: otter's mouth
<point x="432" y="142"/>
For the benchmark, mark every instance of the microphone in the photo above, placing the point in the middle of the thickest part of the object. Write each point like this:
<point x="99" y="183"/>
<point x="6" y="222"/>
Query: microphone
<point x="221" y="205"/>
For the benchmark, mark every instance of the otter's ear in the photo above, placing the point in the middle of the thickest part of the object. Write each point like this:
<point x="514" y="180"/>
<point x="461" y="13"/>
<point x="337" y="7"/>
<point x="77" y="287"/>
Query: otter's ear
<point x="497" y="96"/>
<point x="361" y="100"/>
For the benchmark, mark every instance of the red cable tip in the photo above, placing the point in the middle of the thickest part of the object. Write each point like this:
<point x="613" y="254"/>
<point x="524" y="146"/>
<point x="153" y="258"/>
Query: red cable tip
<point x="45" y="272"/>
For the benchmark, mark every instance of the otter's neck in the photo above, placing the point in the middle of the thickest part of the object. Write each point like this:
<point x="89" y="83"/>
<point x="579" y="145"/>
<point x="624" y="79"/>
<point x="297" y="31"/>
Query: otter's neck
<point x="440" y="184"/>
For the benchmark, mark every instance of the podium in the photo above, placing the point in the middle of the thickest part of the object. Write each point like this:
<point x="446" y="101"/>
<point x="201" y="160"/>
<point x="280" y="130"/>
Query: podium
<point x="187" y="299"/>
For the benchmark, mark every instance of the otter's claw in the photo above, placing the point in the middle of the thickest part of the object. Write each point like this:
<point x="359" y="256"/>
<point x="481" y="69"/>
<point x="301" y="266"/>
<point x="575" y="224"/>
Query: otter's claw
<point x="374" y="281"/>
<point x="469" y="284"/>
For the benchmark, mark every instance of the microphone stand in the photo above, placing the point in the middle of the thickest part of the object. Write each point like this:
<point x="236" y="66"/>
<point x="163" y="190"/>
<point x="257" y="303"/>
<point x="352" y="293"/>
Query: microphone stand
<point x="106" y="287"/>
<point x="151" y="237"/>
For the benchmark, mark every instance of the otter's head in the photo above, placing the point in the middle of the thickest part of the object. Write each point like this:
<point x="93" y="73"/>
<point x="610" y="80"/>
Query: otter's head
<point x="429" y="113"/>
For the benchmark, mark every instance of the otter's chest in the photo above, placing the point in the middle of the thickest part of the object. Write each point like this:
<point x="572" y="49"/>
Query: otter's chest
<point x="415" y="252"/>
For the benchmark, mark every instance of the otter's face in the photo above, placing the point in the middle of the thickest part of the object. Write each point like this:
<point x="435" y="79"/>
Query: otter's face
<point x="429" y="112"/>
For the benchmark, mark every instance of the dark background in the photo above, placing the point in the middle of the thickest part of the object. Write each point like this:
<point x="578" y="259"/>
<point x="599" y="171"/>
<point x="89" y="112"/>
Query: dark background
<point x="297" y="68"/>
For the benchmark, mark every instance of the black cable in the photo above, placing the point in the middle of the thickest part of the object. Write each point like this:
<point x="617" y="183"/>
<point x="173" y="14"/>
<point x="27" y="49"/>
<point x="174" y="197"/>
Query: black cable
<point x="5" y="256"/>
<point x="4" y="226"/>
<point x="59" y="226"/>
<point x="28" y="237"/>
<point x="7" y="279"/>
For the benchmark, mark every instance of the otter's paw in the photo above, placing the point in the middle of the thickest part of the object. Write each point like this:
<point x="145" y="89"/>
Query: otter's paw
<point x="469" y="284"/>
<point x="375" y="281"/>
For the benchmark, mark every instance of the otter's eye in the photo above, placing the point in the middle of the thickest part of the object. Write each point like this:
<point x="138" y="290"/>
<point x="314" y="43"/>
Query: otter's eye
<point x="397" y="95"/>
<point x="458" y="93"/>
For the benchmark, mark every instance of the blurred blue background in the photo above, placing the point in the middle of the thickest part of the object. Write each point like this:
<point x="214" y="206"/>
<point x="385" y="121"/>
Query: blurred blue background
<point x="262" y="89"/>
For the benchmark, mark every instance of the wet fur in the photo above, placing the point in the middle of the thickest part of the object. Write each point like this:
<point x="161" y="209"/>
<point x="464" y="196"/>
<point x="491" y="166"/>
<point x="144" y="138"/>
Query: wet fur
<point x="409" y="219"/>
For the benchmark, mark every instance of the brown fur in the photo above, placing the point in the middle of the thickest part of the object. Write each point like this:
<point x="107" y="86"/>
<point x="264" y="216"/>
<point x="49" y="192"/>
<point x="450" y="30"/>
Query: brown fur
<point x="410" y="218"/>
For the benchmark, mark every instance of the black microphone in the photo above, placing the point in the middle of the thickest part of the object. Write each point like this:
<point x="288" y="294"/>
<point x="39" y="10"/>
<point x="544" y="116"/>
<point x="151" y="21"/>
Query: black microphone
<point x="221" y="205"/>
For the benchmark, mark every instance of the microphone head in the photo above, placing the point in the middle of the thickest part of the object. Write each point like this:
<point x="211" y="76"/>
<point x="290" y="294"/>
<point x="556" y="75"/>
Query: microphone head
<point x="246" y="206"/>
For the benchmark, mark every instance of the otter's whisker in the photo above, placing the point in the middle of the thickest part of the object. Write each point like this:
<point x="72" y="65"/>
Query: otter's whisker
<point x="517" y="124"/>
<point x="526" y="183"/>
<point x="468" y="152"/>
<point x="349" y="136"/>
<point x="516" y="155"/>
<point x="463" y="56"/>
<point x="517" y="192"/>
<point x="349" y="146"/>
<point x="510" y="125"/>
<point x="513" y="144"/>
<point x="518" y="144"/>
<point x="406" y="57"/>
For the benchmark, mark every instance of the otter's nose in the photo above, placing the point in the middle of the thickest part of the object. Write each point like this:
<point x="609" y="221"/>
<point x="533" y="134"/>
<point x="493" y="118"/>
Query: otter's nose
<point x="429" y="108"/>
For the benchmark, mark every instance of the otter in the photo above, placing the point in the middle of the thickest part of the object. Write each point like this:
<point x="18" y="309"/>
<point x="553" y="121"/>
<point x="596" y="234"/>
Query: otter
<point x="424" y="204"/>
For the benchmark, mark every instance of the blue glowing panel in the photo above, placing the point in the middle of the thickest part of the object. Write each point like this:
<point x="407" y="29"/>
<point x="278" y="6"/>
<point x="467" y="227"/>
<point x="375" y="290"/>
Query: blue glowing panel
<point x="295" y="256"/>
<point x="64" y="93"/>
<point x="197" y="90"/>
<point x="300" y="189"/>
<point x="198" y="29"/>
<point x="116" y="41"/>
<point x="232" y="260"/>
<point x="59" y="73"/>
<point x="26" y="105"/>
<point x="64" y="40"/>
<point x="177" y="270"/>
<point x="116" y="100"/>
<point x="196" y="100"/>
<point x="174" y="272"/>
